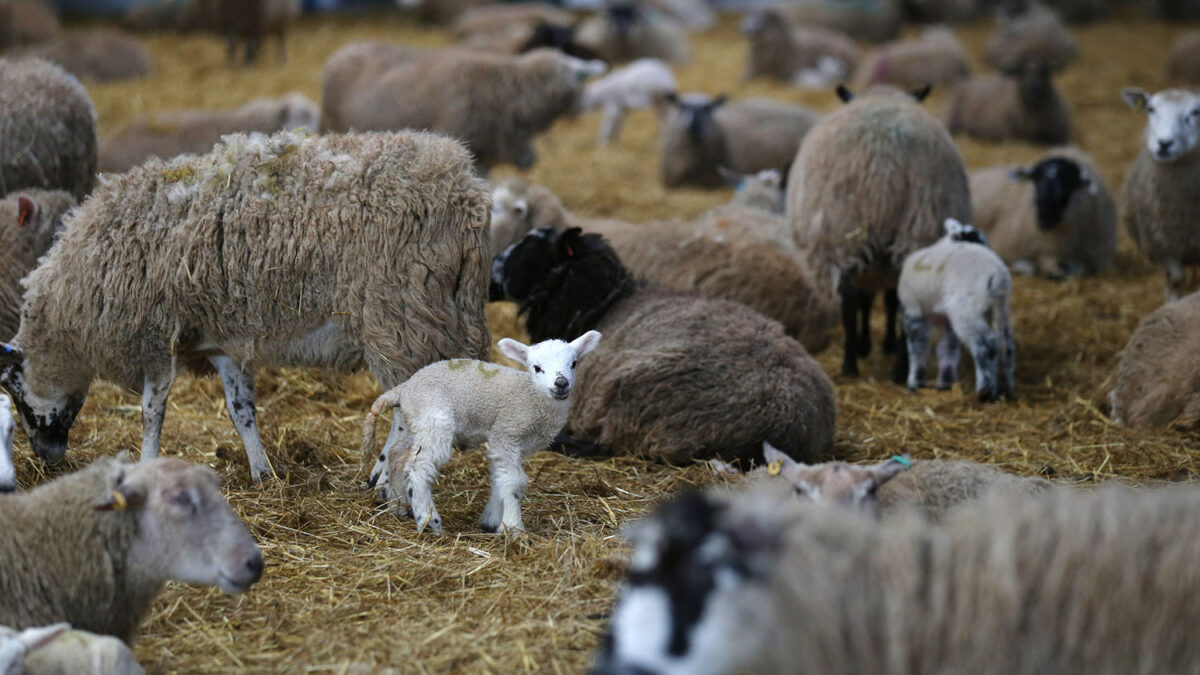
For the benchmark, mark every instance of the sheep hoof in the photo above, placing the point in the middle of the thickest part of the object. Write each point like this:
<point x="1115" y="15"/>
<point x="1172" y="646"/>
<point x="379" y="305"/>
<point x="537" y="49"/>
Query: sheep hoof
<point x="987" y="396"/>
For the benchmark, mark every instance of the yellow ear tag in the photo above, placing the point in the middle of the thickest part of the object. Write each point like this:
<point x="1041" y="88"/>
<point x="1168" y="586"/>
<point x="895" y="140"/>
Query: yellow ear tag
<point x="775" y="467"/>
<point x="119" y="503"/>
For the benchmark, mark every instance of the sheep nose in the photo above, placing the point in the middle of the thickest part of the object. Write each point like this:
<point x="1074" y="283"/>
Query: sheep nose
<point x="255" y="565"/>
<point x="1164" y="146"/>
<point x="561" y="382"/>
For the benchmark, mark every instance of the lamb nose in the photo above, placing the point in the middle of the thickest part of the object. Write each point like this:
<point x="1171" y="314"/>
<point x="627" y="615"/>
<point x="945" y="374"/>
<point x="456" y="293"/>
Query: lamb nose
<point x="561" y="382"/>
<point x="255" y="565"/>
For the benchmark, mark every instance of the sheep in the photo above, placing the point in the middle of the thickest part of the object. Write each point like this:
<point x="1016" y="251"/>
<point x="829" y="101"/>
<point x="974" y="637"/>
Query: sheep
<point x="1055" y="217"/>
<point x="1036" y="35"/>
<point x="517" y="412"/>
<point x="872" y="183"/>
<point x="698" y="134"/>
<point x="95" y="547"/>
<point x="625" y="31"/>
<point x="641" y="84"/>
<point x="25" y="22"/>
<point x="1095" y="581"/>
<point x="665" y="383"/>
<point x="937" y="59"/>
<point x="693" y="15"/>
<point x="804" y="55"/>
<point x="175" y="15"/>
<point x="168" y="134"/>
<point x="94" y="55"/>
<point x="871" y="20"/>
<point x="519" y="208"/>
<point x="8" y="473"/>
<point x="501" y="18"/>
<point x="58" y="650"/>
<point x="29" y="222"/>
<point x="1158" y="383"/>
<point x="439" y="12"/>
<point x="755" y="210"/>
<point x="49" y="138"/>
<point x="494" y="103"/>
<point x="1021" y="104"/>
<point x="1161" y="193"/>
<point x="1183" y="63"/>
<point x="249" y="23"/>
<point x="339" y="252"/>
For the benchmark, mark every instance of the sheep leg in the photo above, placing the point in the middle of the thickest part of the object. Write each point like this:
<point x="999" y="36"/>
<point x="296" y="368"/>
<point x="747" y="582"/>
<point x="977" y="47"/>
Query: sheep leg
<point x="503" y="512"/>
<point x="610" y="128"/>
<point x="379" y="473"/>
<point x="865" y="300"/>
<point x="947" y="354"/>
<point x="891" y="304"/>
<point x="916" y="332"/>
<point x="981" y="340"/>
<point x="850" y="307"/>
<point x="155" y="391"/>
<point x="433" y="443"/>
<point x="239" y="401"/>
<point x="1175" y="280"/>
<point x="1008" y="354"/>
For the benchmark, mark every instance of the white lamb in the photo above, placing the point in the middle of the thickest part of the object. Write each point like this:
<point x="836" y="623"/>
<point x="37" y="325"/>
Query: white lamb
<point x="963" y="286"/>
<point x="8" y="474"/>
<point x="59" y="650"/>
<point x="465" y="401"/>
<point x="637" y="85"/>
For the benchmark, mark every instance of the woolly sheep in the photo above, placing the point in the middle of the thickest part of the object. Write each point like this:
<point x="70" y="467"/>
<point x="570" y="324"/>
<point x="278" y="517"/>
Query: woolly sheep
<point x="937" y="58"/>
<point x="849" y="208"/>
<point x="1036" y="35"/>
<point x="94" y="548"/>
<point x="24" y="22"/>
<point x="168" y="134"/>
<point x="174" y="15"/>
<point x="1158" y="382"/>
<point x="94" y="55"/>
<point x="49" y="138"/>
<point x="502" y="18"/>
<point x="625" y="31"/>
<point x="1022" y="104"/>
<point x="756" y="209"/>
<point x="869" y="20"/>
<point x="248" y="23"/>
<point x="468" y="402"/>
<point x="1161" y="194"/>
<point x="29" y="222"/>
<point x="665" y="383"/>
<point x="58" y="650"/>
<point x="1183" y="63"/>
<point x="641" y="84"/>
<point x="1096" y="581"/>
<point x="339" y="252"/>
<point x="1055" y="217"/>
<point x="699" y="134"/>
<point x="804" y="55"/>
<point x="962" y="286"/>
<point x="494" y="103"/>
<point x="8" y="473"/>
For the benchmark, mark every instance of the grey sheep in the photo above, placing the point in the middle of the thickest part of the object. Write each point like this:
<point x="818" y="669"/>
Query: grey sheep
<point x="339" y="252"/>
<point x="1158" y="381"/>
<point x="29" y="222"/>
<point x="1036" y="35"/>
<point x="1022" y="104"/>
<point x="49" y="138"/>
<point x="937" y="58"/>
<point x="59" y="650"/>
<point x="625" y="31"/>
<point x="805" y="55"/>
<point x="97" y="55"/>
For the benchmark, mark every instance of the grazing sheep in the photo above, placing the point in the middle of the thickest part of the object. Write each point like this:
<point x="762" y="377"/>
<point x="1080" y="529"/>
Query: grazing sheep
<point x="872" y="183"/>
<point x="1036" y="35"/>
<point x="962" y="286"/>
<point x="469" y="402"/>
<point x="94" y="55"/>
<point x="1077" y="582"/>
<point x="698" y="135"/>
<point x="26" y="22"/>
<point x="936" y="59"/>
<point x="169" y="134"/>
<point x="94" y="548"/>
<point x="339" y="252"/>
<point x="1020" y="104"/>
<point x="625" y="31"/>
<point x="29" y="221"/>
<point x="49" y="138"/>
<point x="665" y="383"/>
<point x="804" y="55"/>
<point x="1183" y="64"/>
<point x="58" y="650"/>
<point x="641" y="84"/>
<point x="494" y="103"/>
<point x="1055" y="217"/>
<point x="248" y="23"/>
<point x="869" y="20"/>
<point x="1158" y="383"/>
<point x="8" y="473"/>
<point x="1161" y="194"/>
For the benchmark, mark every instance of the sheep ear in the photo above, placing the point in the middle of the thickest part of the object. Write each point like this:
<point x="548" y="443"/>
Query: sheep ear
<point x="844" y="94"/>
<point x="125" y="494"/>
<point x="514" y="350"/>
<point x="36" y="638"/>
<point x="27" y="210"/>
<point x="585" y="343"/>
<point x="922" y="93"/>
<point x="568" y="243"/>
<point x="774" y="456"/>
<point x="889" y="469"/>
<point x="1136" y="97"/>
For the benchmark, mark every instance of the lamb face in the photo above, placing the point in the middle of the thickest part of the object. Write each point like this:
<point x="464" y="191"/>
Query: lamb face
<point x="835" y="483"/>
<point x="552" y="363"/>
<point x="1173" y="124"/>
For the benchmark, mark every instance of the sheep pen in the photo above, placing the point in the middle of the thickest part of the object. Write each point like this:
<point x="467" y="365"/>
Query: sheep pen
<point x="350" y="588"/>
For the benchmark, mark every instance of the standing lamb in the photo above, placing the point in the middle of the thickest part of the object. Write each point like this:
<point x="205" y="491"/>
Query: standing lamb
<point x="49" y="138"/>
<point x="698" y="135"/>
<point x="804" y="55"/>
<point x="1055" y="217"/>
<point x="58" y="650"/>
<point x="97" y="55"/>
<point x="1036" y="35"/>
<point x="665" y="383"/>
<point x="1022" y="104"/>
<point x="962" y="286"/>
<point x="1161" y="194"/>
<point x="29" y="222"/>
<point x="625" y="31"/>
<point x="873" y="182"/>
<point x="1158" y="381"/>
<point x="936" y="59"/>
<point x="94" y="548"/>
<point x="494" y="103"/>
<point x="249" y="23"/>
<point x="1183" y="64"/>
<point x="641" y="84"/>
<point x="469" y="402"/>
<point x="169" y="134"/>
<point x="8" y="473"/>
<point x="338" y="252"/>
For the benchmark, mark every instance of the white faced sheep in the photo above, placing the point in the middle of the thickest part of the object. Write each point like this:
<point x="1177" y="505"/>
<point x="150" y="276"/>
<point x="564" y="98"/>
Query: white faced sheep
<point x="29" y="222"/>
<point x="1183" y="64"/>
<point x="49" y="139"/>
<point x="1158" y="381"/>
<point x="1022" y="104"/>
<point x="624" y="31"/>
<point x="494" y="103"/>
<point x="468" y="402"/>
<point x="8" y="474"/>
<point x="937" y="58"/>
<point x="168" y="134"/>
<point x="1054" y="217"/>
<point x="1161" y="194"/>
<point x="805" y="55"/>
<point x="873" y="182"/>
<point x="962" y="286"/>
<point x="338" y="252"/>
<point x="1065" y="581"/>
<point x="1035" y="35"/>
<point x="641" y="84"/>
<point x="98" y="55"/>
<point x="94" y="548"/>
<point x="58" y="650"/>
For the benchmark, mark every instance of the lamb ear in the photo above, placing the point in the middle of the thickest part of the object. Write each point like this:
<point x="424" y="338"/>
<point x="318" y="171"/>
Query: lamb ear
<point x="889" y="469"/>
<point x="585" y="343"/>
<point x="514" y="350"/>
<point x="568" y="243"/>
<point x="844" y="94"/>
<point x="521" y="206"/>
<point x="36" y="638"/>
<point x="1136" y="97"/>
<point x="771" y="455"/>
<point x="952" y="226"/>
<point x="27" y="210"/>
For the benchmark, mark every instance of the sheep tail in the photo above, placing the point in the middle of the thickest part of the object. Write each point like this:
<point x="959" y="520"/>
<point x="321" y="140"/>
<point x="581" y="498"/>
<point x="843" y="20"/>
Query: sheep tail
<point x="389" y="399"/>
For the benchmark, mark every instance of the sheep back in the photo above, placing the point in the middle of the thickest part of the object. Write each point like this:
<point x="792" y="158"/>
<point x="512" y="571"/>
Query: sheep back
<point x="1158" y="378"/>
<point x="1158" y="207"/>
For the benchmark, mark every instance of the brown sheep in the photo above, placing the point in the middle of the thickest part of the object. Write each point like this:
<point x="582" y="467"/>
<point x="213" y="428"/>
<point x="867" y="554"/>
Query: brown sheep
<point x="1023" y="104"/>
<point x="1158" y="379"/>
<point x="249" y="23"/>
<point x="797" y="54"/>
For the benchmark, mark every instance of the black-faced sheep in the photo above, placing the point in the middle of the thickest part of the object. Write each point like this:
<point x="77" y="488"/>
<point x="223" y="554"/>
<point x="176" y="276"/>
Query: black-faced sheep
<point x="1036" y="35"/>
<point x="936" y="59"/>
<point x="1022" y="104"/>
<point x="625" y="31"/>
<point x="1158" y="381"/>
<point x="29" y="221"/>
<point x="803" y="55"/>
<point x="94" y="55"/>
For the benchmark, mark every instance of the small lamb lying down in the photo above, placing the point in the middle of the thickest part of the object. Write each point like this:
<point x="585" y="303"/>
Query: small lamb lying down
<point x="58" y="650"/>
<point x="467" y="402"/>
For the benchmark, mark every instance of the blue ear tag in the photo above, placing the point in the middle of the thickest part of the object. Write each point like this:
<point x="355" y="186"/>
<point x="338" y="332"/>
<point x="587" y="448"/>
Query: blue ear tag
<point x="903" y="460"/>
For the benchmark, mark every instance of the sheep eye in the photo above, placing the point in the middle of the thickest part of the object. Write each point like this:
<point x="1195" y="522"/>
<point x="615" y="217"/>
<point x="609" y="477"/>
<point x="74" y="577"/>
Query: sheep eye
<point x="801" y="491"/>
<point x="537" y="369"/>
<point x="573" y="364"/>
<point x="1149" y="110"/>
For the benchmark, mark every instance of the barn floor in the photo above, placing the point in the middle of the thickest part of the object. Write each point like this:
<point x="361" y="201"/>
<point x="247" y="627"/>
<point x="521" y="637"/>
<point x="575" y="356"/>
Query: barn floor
<point x="350" y="588"/>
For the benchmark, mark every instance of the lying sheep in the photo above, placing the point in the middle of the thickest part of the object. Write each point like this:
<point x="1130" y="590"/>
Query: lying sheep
<point x="641" y="84"/>
<point x="1096" y="581"/>
<point x="339" y="252"/>
<point x="516" y="412"/>
<point x="1161" y="194"/>
<point x="1158" y="383"/>
<point x="49" y="138"/>
<point x="439" y="12"/>
<point x="869" y="20"/>
<point x="183" y="16"/>
<point x="248" y="24"/>
<point x="698" y="135"/>
<point x="26" y="22"/>
<point x="665" y="383"/>
<point x="936" y="59"/>
<point x="756" y="210"/>
<point x="494" y="103"/>
<point x="1183" y="63"/>
<point x="857" y="220"/>
<point x="98" y="55"/>
<point x="169" y="134"/>
<point x="803" y="55"/>
<point x="58" y="650"/>
<point x="1035" y="35"/>
<point x="29" y="222"/>
<point x="116" y="533"/>
<point x="1055" y="217"/>
<point x="8" y="473"/>
<point x="1021" y="104"/>
<point x="625" y="31"/>
<point x="502" y="18"/>
<point x="962" y="286"/>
